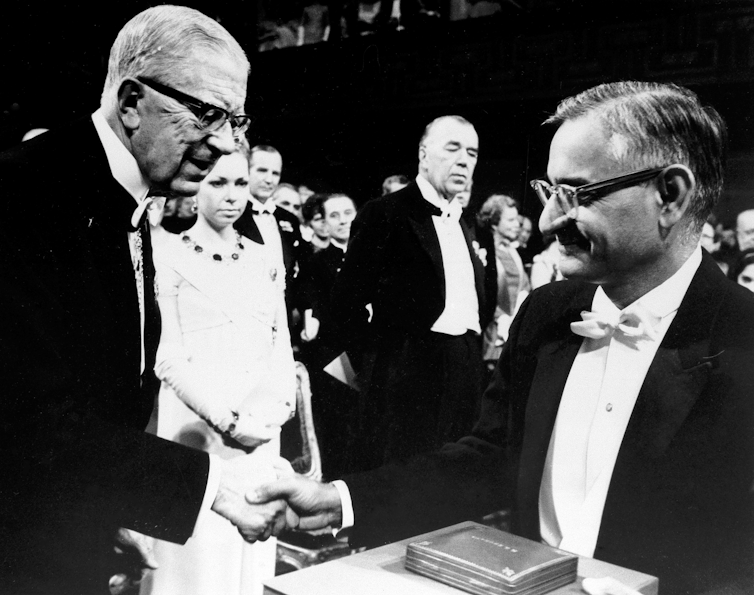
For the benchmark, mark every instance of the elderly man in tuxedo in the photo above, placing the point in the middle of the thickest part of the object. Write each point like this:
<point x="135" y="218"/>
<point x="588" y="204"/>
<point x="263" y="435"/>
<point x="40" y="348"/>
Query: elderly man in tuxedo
<point x="621" y="409"/>
<point x="80" y="323"/>
<point x="410" y="257"/>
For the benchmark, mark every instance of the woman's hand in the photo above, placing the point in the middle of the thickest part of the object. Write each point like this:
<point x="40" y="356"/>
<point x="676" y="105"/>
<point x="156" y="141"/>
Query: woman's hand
<point x="261" y="423"/>
<point x="253" y="431"/>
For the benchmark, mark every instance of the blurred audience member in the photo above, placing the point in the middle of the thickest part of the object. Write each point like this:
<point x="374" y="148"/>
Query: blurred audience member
<point x="304" y="192"/>
<point x="313" y="213"/>
<point x="544" y="268"/>
<point x="287" y="197"/>
<point x="742" y="270"/>
<point x="314" y="26"/>
<point x="745" y="229"/>
<point x="728" y="238"/>
<point x="318" y="275"/>
<point x="525" y="251"/>
<point x="183" y="215"/>
<point x="524" y="234"/>
<point x="472" y="9"/>
<point x="710" y="240"/>
<point x="499" y="215"/>
<point x="274" y="35"/>
<point x="394" y="183"/>
<point x="334" y="404"/>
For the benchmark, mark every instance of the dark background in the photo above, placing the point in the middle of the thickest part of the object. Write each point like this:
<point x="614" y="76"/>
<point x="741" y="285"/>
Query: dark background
<point x="347" y="114"/>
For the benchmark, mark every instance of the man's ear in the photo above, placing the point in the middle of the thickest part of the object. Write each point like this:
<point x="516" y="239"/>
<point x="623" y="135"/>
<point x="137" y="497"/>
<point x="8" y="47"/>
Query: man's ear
<point x="422" y="153"/>
<point x="129" y="95"/>
<point x="676" y="187"/>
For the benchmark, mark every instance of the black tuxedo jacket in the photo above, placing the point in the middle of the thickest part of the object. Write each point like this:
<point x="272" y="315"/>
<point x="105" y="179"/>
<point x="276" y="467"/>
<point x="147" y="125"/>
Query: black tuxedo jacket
<point x="316" y="281"/>
<point x="680" y="499"/>
<point x="76" y="463"/>
<point x="394" y="263"/>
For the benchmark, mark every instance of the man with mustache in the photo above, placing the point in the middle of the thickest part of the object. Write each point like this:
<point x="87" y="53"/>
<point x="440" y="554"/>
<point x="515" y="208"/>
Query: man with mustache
<point x="81" y="326"/>
<point x="619" y="423"/>
<point x="410" y="257"/>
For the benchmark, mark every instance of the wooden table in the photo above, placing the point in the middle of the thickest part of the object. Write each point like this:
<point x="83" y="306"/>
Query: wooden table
<point x="380" y="571"/>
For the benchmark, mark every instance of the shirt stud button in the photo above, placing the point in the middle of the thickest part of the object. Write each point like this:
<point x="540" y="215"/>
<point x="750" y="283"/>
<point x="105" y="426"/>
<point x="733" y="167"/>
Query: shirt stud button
<point x="609" y="407"/>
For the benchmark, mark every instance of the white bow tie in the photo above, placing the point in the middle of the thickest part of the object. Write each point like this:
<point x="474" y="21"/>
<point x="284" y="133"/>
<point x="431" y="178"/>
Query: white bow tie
<point x="635" y="322"/>
<point x="451" y="211"/>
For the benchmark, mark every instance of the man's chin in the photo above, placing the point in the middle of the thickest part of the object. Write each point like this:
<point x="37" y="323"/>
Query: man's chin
<point x="178" y="188"/>
<point x="574" y="261"/>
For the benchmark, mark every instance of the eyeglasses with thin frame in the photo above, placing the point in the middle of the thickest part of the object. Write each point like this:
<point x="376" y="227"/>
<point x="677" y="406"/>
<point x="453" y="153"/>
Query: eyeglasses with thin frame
<point x="570" y="197"/>
<point x="211" y="117"/>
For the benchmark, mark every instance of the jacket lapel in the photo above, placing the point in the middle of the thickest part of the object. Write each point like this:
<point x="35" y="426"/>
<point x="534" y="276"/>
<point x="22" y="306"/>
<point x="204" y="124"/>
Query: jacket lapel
<point x="247" y="226"/>
<point x="553" y="362"/>
<point x="420" y="219"/>
<point x="679" y="372"/>
<point x="478" y="267"/>
<point x="286" y="238"/>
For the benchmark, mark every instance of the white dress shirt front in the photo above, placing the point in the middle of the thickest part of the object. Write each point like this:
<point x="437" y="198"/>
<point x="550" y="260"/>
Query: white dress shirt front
<point x="461" y="311"/>
<point x="597" y="403"/>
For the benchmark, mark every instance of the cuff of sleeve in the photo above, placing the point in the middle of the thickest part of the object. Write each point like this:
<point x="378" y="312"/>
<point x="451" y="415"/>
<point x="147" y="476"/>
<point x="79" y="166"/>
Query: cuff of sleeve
<point x="210" y="492"/>
<point x="346" y="506"/>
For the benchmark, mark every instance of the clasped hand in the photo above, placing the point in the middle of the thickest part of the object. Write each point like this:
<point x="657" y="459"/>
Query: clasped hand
<point x="240" y="476"/>
<point x="263" y="496"/>
<point x="310" y="504"/>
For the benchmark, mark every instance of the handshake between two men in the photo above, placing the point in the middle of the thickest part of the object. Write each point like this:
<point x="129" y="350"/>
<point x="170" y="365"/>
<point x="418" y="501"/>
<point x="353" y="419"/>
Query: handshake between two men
<point x="295" y="502"/>
<point x="264" y="497"/>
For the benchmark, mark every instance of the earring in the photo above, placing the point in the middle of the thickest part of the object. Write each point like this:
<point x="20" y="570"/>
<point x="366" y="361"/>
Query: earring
<point x="194" y="207"/>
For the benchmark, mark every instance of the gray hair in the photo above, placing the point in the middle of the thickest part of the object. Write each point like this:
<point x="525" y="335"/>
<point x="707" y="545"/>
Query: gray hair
<point x="159" y="42"/>
<point x="658" y="124"/>
<point x="284" y="186"/>
<point x="428" y="128"/>
<point x="492" y="209"/>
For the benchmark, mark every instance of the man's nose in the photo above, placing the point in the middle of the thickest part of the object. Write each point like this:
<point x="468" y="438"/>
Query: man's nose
<point x="222" y="139"/>
<point x="553" y="218"/>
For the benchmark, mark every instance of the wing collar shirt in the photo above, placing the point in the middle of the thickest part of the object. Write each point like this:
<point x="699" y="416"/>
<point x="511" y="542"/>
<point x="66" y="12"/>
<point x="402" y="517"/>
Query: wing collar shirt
<point x="461" y="311"/>
<point x="126" y="172"/>
<point x="597" y="403"/>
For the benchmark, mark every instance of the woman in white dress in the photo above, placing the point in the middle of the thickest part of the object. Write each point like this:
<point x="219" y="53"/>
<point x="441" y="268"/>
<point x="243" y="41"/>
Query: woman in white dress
<point x="227" y="371"/>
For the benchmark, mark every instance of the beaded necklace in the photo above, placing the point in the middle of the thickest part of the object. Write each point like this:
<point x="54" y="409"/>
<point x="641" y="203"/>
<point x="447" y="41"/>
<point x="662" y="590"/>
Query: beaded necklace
<point x="228" y="258"/>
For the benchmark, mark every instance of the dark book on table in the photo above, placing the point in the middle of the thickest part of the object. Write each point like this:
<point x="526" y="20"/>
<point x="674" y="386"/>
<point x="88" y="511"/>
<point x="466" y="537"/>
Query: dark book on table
<point x="483" y="560"/>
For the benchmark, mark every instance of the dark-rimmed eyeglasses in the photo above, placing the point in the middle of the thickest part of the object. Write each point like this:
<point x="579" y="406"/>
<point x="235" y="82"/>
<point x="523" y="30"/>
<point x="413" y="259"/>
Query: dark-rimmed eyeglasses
<point x="211" y="117"/>
<point x="570" y="197"/>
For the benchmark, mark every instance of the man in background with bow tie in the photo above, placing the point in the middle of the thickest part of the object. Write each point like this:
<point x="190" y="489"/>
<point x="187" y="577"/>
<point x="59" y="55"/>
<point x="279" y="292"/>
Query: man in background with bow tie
<point x="622" y="405"/>
<point x="80" y="324"/>
<point x="410" y="257"/>
<point x="265" y="223"/>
